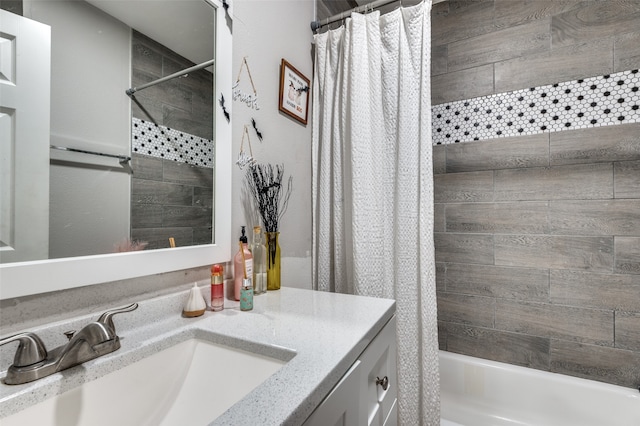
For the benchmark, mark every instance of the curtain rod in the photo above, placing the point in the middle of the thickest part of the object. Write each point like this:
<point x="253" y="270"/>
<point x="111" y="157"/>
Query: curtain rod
<point x="133" y="90"/>
<point x="315" y="25"/>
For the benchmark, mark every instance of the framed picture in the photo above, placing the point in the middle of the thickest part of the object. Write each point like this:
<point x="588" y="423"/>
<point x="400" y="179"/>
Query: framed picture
<point x="294" y="92"/>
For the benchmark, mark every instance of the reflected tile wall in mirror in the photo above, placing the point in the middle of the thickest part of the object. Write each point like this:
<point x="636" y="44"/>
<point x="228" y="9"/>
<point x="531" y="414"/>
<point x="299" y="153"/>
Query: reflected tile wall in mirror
<point x="172" y="147"/>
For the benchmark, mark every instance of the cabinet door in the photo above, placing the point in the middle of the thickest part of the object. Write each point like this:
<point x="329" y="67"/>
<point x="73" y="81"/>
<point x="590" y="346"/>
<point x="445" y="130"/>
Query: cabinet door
<point x="378" y="362"/>
<point x="392" y="418"/>
<point x="341" y="406"/>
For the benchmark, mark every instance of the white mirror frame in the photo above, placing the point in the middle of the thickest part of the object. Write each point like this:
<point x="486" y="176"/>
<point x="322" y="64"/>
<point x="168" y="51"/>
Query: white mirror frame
<point x="28" y="278"/>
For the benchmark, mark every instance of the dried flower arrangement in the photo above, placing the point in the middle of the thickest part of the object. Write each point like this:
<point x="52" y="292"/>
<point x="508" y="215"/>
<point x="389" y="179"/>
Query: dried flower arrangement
<point x="271" y="200"/>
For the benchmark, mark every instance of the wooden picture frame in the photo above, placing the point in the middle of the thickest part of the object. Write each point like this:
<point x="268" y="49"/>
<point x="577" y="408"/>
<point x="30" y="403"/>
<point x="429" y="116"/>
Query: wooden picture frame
<point x="294" y="92"/>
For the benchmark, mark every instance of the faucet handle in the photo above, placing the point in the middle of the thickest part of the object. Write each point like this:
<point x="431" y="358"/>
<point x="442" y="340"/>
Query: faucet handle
<point x="107" y="320"/>
<point x="30" y="351"/>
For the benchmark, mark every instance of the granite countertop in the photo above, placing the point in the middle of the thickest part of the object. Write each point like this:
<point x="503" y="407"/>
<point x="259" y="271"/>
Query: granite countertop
<point x="320" y="334"/>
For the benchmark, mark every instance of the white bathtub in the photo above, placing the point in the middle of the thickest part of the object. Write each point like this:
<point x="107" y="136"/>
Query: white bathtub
<point x="477" y="392"/>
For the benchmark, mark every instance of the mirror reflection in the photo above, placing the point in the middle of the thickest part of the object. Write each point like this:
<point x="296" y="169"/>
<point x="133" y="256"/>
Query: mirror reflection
<point x="96" y="204"/>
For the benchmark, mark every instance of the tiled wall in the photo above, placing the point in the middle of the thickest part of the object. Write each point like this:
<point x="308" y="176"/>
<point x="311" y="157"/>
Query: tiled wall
<point x="172" y="130"/>
<point x="538" y="235"/>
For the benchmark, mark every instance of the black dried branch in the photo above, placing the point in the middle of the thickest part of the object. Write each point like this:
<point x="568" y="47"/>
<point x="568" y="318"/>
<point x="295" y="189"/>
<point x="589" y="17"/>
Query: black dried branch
<point x="265" y="185"/>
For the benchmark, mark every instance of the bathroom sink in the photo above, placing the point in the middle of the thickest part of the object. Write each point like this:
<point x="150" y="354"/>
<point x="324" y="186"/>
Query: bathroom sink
<point x="190" y="383"/>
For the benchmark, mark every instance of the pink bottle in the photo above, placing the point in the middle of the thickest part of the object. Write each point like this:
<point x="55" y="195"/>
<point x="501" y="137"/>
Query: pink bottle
<point x="238" y="268"/>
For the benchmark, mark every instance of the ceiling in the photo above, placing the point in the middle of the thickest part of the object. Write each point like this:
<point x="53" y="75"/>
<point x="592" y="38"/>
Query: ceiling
<point x="184" y="26"/>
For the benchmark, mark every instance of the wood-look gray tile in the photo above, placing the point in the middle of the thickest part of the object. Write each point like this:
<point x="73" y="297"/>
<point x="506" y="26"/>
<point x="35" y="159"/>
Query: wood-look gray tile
<point x="563" y="64"/>
<point x="146" y="167"/>
<point x="599" y="144"/>
<point x="202" y="235"/>
<point x="497" y="281"/>
<point x="439" y="218"/>
<point x="571" y="182"/>
<point x="187" y="174"/>
<point x="599" y="291"/>
<point x="494" y="154"/>
<point x="442" y="338"/>
<point x="441" y="276"/>
<point x="496" y="345"/>
<point x="154" y="192"/>
<point x="465" y="309"/>
<point x="146" y="55"/>
<point x="628" y="330"/>
<point x="146" y="215"/>
<point x="555" y="321"/>
<point x="509" y="13"/>
<point x="595" y="217"/>
<point x="556" y="252"/>
<point x="459" y="19"/>
<point x="463" y="248"/>
<point x="202" y="197"/>
<point x="627" y="251"/>
<point x="529" y="217"/>
<point x="178" y="216"/>
<point x="609" y="365"/>
<point x="627" y="179"/>
<point x="439" y="156"/>
<point x="513" y="42"/>
<point x="465" y="84"/>
<point x="193" y="122"/>
<point x="595" y="20"/>
<point x="626" y="52"/>
<point x="463" y="187"/>
<point x="438" y="59"/>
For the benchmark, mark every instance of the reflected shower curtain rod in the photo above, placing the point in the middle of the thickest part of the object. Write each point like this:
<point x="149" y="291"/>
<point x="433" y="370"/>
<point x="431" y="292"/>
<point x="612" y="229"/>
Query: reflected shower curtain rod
<point x="133" y="90"/>
<point x="369" y="7"/>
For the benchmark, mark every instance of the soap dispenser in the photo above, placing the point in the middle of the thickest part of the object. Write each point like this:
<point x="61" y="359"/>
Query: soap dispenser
<point x="242" y="262"/>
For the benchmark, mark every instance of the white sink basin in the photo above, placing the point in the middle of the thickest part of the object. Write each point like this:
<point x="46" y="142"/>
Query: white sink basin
<point x="190" y="383"/>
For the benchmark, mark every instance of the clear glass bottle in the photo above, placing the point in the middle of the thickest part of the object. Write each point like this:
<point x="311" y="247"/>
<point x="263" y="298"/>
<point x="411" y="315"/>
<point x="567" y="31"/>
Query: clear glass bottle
<point x="217" y="288"/>
<point x="259" y="253"/>
<point x="242" y="260"/>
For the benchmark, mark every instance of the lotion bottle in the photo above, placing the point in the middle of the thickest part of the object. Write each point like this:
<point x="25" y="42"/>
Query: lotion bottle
<point x="239" y="268"/>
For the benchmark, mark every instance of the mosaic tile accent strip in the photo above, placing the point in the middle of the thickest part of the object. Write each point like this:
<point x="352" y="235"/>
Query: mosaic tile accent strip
<point x="163" y="142"/>
<point x="579" y="104"/>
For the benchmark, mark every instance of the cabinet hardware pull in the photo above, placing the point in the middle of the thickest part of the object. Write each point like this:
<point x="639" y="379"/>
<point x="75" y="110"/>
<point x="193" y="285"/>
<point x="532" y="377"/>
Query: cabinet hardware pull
<point x="384" y="382"/>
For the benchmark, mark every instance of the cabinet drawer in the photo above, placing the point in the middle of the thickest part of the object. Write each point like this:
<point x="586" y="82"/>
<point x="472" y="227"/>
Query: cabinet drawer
<point x="378" y="362"/>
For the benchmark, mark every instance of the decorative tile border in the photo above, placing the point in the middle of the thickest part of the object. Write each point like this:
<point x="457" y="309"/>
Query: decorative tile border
<point x="163" y="142"/>
<point x="579" y="104"/>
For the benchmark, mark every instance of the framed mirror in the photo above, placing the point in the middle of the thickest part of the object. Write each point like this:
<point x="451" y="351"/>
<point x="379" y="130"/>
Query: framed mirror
<point x="37" y="276"/>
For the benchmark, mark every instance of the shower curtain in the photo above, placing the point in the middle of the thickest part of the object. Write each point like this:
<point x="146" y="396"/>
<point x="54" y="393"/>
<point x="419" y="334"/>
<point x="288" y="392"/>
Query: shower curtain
<point x="372" y="184"/>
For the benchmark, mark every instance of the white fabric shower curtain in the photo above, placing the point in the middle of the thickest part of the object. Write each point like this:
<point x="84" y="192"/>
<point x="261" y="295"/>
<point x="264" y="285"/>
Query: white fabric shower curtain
<point x="373" y="184"/>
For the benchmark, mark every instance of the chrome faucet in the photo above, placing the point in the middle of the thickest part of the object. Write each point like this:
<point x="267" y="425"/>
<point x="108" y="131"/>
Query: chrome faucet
<point x="33" y="362"/>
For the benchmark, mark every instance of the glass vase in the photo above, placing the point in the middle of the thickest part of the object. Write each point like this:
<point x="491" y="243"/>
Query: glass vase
<point x="273" y="261"/>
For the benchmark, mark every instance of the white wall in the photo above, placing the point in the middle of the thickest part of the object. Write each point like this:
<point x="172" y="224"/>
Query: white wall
<point x="90" y="70"/>
<point x="265" y="31"/>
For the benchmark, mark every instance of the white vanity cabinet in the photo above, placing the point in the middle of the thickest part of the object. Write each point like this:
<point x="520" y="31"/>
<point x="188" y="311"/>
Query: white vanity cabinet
<point x="359" y="397"/>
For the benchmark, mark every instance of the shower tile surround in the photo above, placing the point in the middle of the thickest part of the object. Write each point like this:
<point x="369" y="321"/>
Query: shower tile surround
<point x="547" y="200"/>
<point x="173" y="149"/>
<point x="537" y="222"/>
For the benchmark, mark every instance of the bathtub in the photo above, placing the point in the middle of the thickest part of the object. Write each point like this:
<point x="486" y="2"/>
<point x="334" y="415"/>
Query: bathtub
<point x="477" y="392"/>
